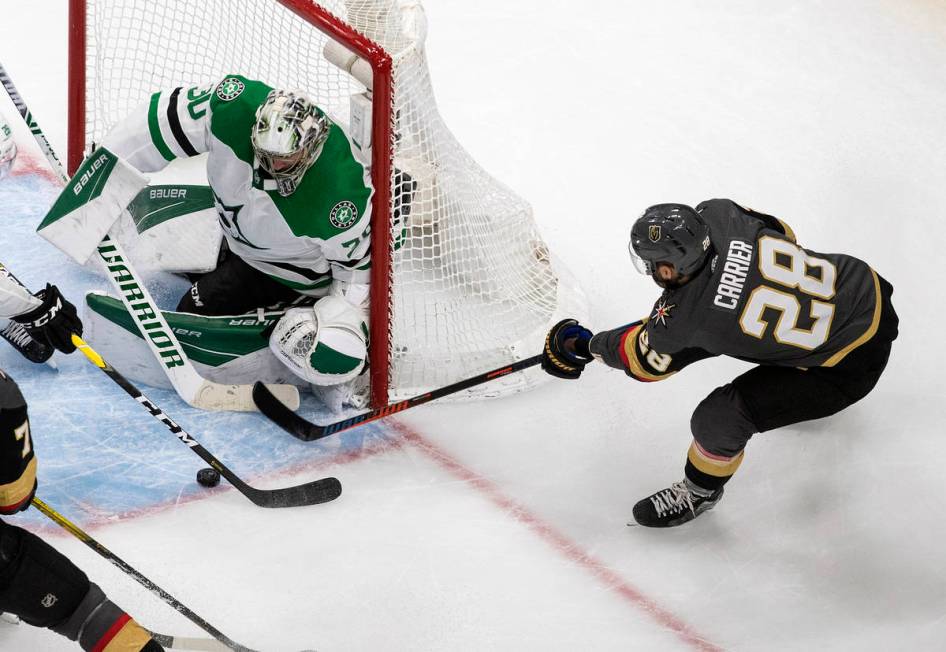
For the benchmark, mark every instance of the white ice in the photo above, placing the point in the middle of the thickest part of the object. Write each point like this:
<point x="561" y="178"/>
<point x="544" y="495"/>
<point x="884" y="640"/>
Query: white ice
<point x="501" y="526"/>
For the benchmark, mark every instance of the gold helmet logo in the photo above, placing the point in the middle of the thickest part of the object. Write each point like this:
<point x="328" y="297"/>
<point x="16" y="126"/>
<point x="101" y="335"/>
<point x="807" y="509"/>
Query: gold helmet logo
<point x="653" y="232"/>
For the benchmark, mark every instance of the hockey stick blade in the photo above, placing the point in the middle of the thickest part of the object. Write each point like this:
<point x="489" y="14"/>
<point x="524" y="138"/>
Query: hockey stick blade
<point x="305" y="430"/>
<point x="310" y="493"/>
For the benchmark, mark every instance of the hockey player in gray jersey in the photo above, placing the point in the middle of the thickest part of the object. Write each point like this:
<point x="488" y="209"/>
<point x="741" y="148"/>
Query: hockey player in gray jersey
<point x="294" y="203"/>
<point x="819" y="327"/>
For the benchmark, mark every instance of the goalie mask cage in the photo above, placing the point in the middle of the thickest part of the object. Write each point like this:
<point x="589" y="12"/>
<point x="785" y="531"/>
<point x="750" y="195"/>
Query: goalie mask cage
<point x="461" y="279"/>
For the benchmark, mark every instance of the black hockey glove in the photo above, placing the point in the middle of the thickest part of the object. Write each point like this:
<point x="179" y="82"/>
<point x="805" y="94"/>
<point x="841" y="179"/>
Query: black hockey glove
<point x="54" y="321"/>
<point x="566" y="350"/>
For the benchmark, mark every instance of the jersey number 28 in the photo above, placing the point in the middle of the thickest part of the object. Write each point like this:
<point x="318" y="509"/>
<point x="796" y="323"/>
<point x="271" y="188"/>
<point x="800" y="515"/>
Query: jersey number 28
<point x="787" y="265"/>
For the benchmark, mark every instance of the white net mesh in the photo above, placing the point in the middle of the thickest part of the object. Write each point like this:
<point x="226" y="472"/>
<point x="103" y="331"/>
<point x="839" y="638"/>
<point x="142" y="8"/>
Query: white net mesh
<point x="474" y="286"/>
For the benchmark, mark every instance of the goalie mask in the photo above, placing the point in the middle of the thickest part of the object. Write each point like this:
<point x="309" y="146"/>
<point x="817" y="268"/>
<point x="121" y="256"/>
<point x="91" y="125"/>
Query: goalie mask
<point x="669" y="233"/>
<point x="288" y="137"/>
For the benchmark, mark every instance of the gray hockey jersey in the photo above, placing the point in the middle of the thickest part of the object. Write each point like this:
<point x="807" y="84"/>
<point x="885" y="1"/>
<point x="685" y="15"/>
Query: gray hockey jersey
<point x="760" y="298"/>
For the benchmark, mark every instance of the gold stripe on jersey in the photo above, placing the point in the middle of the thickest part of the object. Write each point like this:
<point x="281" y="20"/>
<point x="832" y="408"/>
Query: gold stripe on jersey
<point x="788" y="231"/>
<point x="869" y="333"/>
<point x="14" y="493"/>
<point x="634" y="362"/>
<point x="714" y="465"/>
<point x="130" y="638"/>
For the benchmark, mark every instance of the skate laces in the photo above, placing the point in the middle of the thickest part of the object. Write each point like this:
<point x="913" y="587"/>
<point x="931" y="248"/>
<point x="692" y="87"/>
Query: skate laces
<point x="17" y="334"/>
<point x="673" y="499"/>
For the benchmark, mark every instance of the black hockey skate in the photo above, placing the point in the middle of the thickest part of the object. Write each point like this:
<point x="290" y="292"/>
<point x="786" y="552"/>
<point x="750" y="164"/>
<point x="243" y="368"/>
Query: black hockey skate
<point x="679" y="503"/>
<point x="22" y="341"/>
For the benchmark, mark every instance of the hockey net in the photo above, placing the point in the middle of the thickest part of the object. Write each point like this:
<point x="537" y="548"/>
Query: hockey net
<point x="462" y="281"/>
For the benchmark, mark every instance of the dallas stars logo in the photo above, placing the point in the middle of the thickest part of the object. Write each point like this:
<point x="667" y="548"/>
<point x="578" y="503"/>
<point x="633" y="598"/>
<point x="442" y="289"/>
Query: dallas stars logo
<point x="343" y="215"/>
<point x="662" y="312"/>
<point x="228" y="216"/>
<point x="230" y="89"/>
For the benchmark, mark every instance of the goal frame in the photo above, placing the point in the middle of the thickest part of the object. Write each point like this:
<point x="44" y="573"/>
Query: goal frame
<point x="381" y="160"/>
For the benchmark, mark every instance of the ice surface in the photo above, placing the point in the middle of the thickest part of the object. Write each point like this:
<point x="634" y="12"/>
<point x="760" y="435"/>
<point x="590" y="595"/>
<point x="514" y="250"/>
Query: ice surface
<point x="501" y="526"/>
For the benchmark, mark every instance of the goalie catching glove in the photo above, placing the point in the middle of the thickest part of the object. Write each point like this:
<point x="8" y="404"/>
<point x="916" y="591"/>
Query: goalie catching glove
<point x="326" y="344"/>
<point x="54" y="321"/>
<point x="566" y="350"/>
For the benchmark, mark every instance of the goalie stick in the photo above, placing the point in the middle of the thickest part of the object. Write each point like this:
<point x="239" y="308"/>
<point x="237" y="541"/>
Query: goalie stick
<point x="298" y="427"/>
<point x="194" y="389"/>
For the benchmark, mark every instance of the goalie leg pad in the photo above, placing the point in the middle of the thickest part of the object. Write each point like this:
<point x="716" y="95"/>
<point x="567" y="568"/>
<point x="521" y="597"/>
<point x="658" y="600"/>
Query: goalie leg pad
<point x="326" y="344"/>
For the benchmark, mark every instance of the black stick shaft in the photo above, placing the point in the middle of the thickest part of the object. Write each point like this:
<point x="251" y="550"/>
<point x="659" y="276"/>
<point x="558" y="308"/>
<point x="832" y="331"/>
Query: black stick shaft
<point x="307" y="431"/>
<point x="400" y="406"/>
<point x="117" y="561"/>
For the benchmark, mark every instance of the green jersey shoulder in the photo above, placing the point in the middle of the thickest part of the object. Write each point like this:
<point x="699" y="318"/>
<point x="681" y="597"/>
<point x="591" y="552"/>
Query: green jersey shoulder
<point x="233" y="103"/>
<point x="333" y="195"/>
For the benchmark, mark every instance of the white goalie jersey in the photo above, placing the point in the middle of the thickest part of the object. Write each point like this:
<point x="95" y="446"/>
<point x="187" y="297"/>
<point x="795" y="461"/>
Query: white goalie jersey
<point x="318" y="234"/>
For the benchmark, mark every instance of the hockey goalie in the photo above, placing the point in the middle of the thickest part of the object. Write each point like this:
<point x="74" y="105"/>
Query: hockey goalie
<point x="285" y="299"/>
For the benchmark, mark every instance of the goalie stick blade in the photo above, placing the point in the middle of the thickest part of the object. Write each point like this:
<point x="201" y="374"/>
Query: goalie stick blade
<point x="311" y="493"/>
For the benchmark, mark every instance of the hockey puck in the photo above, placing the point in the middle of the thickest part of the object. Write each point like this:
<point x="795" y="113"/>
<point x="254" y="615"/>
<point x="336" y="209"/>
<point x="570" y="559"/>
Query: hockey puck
<point x="208" y="477"/>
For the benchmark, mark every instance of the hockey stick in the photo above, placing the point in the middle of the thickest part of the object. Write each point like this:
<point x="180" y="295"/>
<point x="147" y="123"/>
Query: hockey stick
<point x="310" y="493"/>
<point x="191" y="386"/>
<point x="78" y="533"/>
<point x="298" y="427"/>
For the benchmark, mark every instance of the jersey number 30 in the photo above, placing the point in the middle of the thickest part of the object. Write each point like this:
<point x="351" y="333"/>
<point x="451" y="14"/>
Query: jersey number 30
<point x="788" y="266"/>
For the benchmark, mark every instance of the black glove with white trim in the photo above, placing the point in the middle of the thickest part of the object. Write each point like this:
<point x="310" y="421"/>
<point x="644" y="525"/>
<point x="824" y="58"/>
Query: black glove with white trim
<point x="54" y="321"/>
